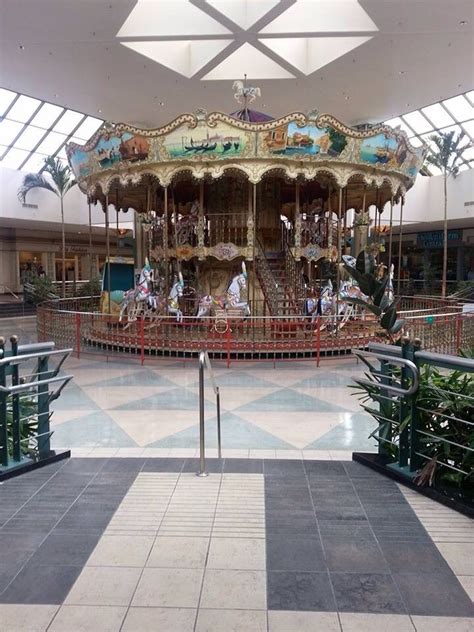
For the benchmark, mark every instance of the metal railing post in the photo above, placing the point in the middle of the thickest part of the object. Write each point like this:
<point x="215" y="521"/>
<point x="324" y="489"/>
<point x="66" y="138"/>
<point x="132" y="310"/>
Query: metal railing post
<point x="16" y="434"/>
<point x="218" y="405"/>
<point x="202" y="446"/>
<point x="3" y="410"/>
<point x="404" y="439"/>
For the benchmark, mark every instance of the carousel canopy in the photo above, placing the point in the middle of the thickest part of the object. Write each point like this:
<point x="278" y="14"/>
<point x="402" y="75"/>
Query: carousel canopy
<point x="251" y="116"/>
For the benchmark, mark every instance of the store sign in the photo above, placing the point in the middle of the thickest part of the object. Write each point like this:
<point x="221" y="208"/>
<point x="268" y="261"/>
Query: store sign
<point x="434" y="238"/>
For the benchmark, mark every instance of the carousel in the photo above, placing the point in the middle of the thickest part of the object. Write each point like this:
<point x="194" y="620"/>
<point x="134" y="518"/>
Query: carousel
<point x="242" y="221"/>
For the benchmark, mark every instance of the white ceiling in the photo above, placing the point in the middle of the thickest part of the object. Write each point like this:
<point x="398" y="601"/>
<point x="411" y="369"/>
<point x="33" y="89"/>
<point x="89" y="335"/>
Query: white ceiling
<point x="67" y="52"/>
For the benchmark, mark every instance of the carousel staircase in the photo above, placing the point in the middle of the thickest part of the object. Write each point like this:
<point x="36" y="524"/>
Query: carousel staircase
<point x="271" y="272"/>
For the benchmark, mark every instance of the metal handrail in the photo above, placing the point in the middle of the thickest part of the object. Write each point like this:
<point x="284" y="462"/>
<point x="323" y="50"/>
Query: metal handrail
<point x="205" y="363"/>
<point x="404" y="392"/>
<point x="8" y="290"/>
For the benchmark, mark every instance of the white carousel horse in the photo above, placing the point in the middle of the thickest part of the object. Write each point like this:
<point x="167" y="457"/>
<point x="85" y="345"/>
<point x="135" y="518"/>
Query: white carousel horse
<point x="140" y="298"/>
<point x="176" y="292"/>
<point x="245" y="94"/>
<point x="231" y="300"/>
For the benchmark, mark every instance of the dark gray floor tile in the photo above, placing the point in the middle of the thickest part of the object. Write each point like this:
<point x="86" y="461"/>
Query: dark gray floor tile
<point x="349" y="555"/>
<point x="413" y="557"/>
<point x="301" y="523"/>
<point x="351" y="513"/>
<point x="245" y="466"/>
<point x="324" y="469"/>
<point x="213" y="466"/>
<point x="294" y="554"/>
<point x="299" y="591"/>
<point x="366" y="592"/>
<point x="7" y="573"/>
<point x="41" y="585"/>
<point x="436" y="595"/>
<point x="89" y="517"/>
<point x="123" y="465"/>
<point x="163" y="465"/>
<point x="280" y="468"/>
<point x="16" y="548"/>
<point x="65" y="549"/>
<point x="288" y="504"/>
<point x="346" y="529"/>
<point x="85" y="466"/>
<point x="326" y="501"/>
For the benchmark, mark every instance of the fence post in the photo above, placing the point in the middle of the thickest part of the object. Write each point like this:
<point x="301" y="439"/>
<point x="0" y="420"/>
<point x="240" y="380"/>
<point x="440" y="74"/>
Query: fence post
<point x="44" y="440"/>
<point x="78" y="335"/>
<point x="415" y="460"/>
<point x="405" y="408"/>
<point x="16" y="435"/>
<point x="228" y="340"/>
<point x="318" y="341"/>
<point x="3" y="411"/>
<point x="458" y="334"/>
<point x="142" y="341"/>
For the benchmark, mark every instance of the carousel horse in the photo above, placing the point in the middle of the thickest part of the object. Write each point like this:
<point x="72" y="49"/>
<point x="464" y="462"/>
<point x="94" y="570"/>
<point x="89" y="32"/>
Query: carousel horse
<point x="176" y="292"/>
<point x="141" y="298"/>
<point x="187" y="224"/>
<point x="231" y="299"/>
<point x="245" y="94"/>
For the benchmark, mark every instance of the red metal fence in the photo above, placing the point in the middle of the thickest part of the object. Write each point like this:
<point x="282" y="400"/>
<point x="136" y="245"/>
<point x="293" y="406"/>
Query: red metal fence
<point x="74" y="323"/>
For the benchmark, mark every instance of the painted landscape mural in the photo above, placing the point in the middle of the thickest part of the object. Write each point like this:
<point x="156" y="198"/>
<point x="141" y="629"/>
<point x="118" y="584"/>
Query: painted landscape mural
<point x="223" y="140"/>
<point x="292" y="140"/>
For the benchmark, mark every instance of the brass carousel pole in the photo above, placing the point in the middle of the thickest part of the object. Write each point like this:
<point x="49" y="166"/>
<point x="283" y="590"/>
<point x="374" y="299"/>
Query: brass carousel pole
<point x="400" y="245"/>
<point x="90" y="238"/>
<point x="390" y="236"/>
<point x="254" y="212"/>
<point x="338" y="258"/>
<point x="107" y="246"/>
<point x="165" y="240"/>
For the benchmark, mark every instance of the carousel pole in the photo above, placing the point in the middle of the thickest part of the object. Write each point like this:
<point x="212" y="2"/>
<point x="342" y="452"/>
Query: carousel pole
<point x="107" y="245"/>
<point x="254" y="212"/>
<point x="338" y="258"/>
<point x="165" y="240"/>
<point x="400" y="245"/>
<point x="345" y="216"/>
<point x="117" y="216"/>
<point x="90" y="238"/>
<point x="390" y="236"/>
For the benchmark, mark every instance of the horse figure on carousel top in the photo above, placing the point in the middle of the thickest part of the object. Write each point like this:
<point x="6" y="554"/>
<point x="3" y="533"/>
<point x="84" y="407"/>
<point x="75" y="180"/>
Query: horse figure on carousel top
<point x="231" y="300"/>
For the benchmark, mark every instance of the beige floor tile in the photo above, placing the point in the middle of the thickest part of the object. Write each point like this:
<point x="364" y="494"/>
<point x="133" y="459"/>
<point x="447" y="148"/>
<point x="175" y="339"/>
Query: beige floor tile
<point x="459" y="555"/>
<point x="87" y="618"/>
<point x="286" y="621"/>
<point x="118" y="550"/>
<point x="237" y="554"/>
<point x="262" y="454"/>
<point x="228" y="589"/>
<point x="169" y="588"/>
<point x="316" y="455"/>
<point x="467" y="582"/>
<point x="443" y="624"/>
<point x="231" y="621"/>
<point x="159" y="620"/>
<point x="99" y="586"/>
<point x="289" y="454"/>
<point x="179" y="552"/>
<point x="26" y="618"/>
<point x="355" y="622"/>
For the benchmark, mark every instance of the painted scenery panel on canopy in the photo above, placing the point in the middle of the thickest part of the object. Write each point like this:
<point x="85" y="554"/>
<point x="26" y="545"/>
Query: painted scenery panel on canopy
<point x="310" y="140"/>
<point x="110" y="150"/>
<point x="223" y="140"/>
<point x="383" y="150"/>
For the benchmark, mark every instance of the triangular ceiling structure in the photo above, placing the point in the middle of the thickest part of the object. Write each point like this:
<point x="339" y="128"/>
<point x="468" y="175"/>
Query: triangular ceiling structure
<point x="322" y="16"/>
<point x="250" y="61"/>
<point x="159" y="18"/>
<point x="243" y="12"/>
<point x="308" y="54"/>
<point x="184" y="56"/>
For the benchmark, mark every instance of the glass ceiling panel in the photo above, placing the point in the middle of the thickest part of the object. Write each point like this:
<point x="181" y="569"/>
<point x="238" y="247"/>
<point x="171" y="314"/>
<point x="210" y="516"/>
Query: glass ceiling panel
<point x="47" y="115"/>
<point x="51" y="143"/>
<point x="469" y="128"/>
<point x="438" y="115"/>
<point x="34" y="164"/>
<point x="14" y="158"/>
<point x="30" y="138"/>
<point x="460" y="108"/>
<point x="88" y="128"/>
<point x="417" y="122"/>
<point x="68" y="122"/>
<point x="6" y="97"/>
<point x="470" y="96"/>
<point x="397" y="122"/>
<point x="23" y="109"/>
<point x="9" y="130"/>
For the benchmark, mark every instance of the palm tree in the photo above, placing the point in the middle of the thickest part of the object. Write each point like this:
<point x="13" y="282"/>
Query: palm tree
<point x="59" y="182"/>
<point x="446" y="156"/>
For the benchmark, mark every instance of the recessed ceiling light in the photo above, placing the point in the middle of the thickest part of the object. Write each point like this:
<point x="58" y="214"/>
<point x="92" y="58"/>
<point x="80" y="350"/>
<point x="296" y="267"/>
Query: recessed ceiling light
<point x="401" y="72"/>
<point x="463" y="22"/>
<point x="99" y="111"/>
<point x="21" y="47"/>
<point x="162" y="103"/>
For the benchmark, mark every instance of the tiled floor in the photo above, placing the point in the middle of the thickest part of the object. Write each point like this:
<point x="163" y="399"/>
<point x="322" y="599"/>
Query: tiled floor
<point x="137" y="545"/>
<point x="119" y="408"/>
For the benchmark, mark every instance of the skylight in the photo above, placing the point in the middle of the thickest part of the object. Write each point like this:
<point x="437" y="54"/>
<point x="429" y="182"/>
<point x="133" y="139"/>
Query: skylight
<point x="31" y="130"/>
<point x="451" y="115"/>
